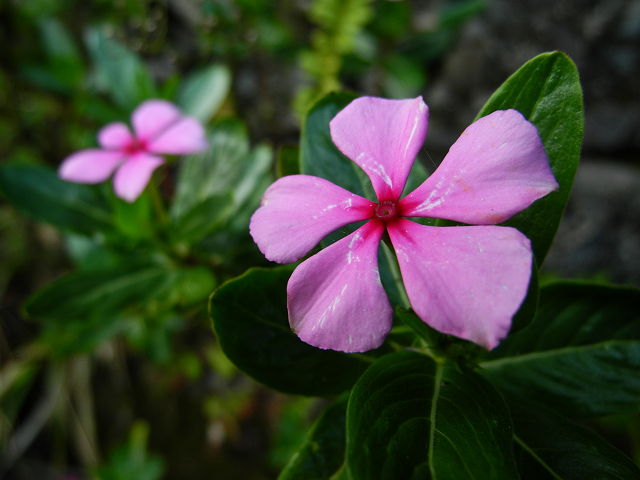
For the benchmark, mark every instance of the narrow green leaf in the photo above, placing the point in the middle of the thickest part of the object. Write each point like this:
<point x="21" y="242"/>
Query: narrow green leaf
<point x="119" y="71"/>
<point x="550" y="447"/>
<point x="409" y="417"/>
<point x="580" y="355"/>
<point x="204" y="91"/>
<point x="38" y="192"/>
<point x="322" y="453"/>
<point x="546" y="90"/>
<point x="250" y="319"/>
<point x="201" y="219"/>
<point x="97" y="293"/>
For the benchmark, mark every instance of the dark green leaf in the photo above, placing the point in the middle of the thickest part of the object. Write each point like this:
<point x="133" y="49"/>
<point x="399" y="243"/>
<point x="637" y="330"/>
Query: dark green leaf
<point x="202" y="219"/>
<point x="322" y="454"/>
<point x="250" y="319"/>
<point x="38" y="192"/>
<point x="288" y="160"/>
<point x="204" y="91"/>
<point x="409" y="417"/>
<point x="580" y="355"/>
<point x="546" y="90"/>
<point x="98" y="293"/>
<point x="550" y="447"/>
<point x="119" y="71"/>
<point x="321" y="158"/>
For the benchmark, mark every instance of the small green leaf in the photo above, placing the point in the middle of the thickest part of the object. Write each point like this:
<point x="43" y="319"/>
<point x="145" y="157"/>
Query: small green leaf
<point x="38" y="192"/>
<point x="546" y="90"/>
<point x="322" y="454"/>
<point x="119" y="71"/>
<point x="581" y="353"/>
<point x="204" y="91"/>
<point x="550" y="447"/>
<point x="250" y="319"/>
<point x="410" y="417"/>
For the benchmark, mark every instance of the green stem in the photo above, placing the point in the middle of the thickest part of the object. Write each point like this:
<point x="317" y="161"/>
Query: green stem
<point x="156" y="201"/>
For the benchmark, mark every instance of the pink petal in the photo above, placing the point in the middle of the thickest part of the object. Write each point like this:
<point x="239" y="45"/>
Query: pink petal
<point x="152" y="117"/>
<point x="464" y="281"/>
<point x="298" y="211"/>
<point x="89" y="166"/>
<point x="115" y="136"/>
<point x="335" y="298"/>
<point x="183" y="137"/>
<point x="134" y="175"/>
<point x="496" y="169"/>
<point x="383" y="137"/>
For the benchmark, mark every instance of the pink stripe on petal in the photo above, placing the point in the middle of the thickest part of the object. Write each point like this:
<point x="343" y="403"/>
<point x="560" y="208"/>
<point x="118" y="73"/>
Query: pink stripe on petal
<point x="464" y="281"/>
<point x="89" y="166"/>
<point x="134" y="175"/>
<point x="115" y="136"/>
<point x="298" y="211"/>
<point x="383" y="137"/>
<point x="153" y="117"/>
<point x="497" y="168"/>
<point x="335" y="298"/>
<point x="183" y="137"/>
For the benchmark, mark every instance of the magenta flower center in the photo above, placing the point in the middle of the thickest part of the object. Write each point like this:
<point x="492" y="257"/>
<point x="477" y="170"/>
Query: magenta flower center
<point x="386" y="210"/>
<point x="135" y="146"/>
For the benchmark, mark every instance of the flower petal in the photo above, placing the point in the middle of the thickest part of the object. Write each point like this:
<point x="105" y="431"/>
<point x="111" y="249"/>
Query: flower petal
<point x="496" y="169"/>
<point x="298" y="211"/>
<point x="153" y="117"/>
<point x="115" y="136"/>
<point x="335" y="298"/>
<point x="383" y="137"/>
<point x="89" y="166"/>
<point x="134" y="174"/>
<point x="464" y="281"/>
<point x="183" y="137"/>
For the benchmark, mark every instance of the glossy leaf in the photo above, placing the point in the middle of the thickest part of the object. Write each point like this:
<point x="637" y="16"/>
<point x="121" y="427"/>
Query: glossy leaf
<point x="204" y="91"/>
<point x="546" y="90"/>
<point x="580" y="355"/>
<point x="38" y="192"/>
<point x="250" y="319"/>
<point x="322" y="453"/>
<point x="119" y="71"/>
<point x="550" y="447"/>
<point x="409" y="417"/>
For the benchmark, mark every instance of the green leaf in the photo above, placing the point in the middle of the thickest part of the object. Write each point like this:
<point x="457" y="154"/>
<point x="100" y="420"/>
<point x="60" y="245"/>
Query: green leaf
<point x="546" y="90"/>
<point x="322" y="453"/>
<point x="201" y="219"/>
<point x="321" y="158"/>
<point x="288" y="160"/>
<point x="410" y="417"/>
<point x="550" y="447"/>
<point x="204" y="91"/>
<point x="251" y="322"/>
<point x="119" y="71"/>
<point x="580" y="355"/>
<point x="38" y="192"/>
<point x="98" y="293"/>
<point x="215" y="172"/>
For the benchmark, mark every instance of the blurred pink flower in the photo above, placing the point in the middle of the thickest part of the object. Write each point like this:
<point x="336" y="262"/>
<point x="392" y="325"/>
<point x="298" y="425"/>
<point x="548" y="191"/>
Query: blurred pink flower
<point x="466" y="281"/>
<point x="159" y="128"/>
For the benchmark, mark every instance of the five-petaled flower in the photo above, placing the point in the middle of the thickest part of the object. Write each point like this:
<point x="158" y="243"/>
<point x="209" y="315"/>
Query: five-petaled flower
<point x="159" y="128"/>
<point x="467" y="281"/>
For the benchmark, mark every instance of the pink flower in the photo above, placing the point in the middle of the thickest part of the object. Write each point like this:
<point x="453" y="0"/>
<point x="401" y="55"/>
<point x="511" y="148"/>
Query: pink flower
<point x="466" y="281"/>
<point x="159" y="127"/>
